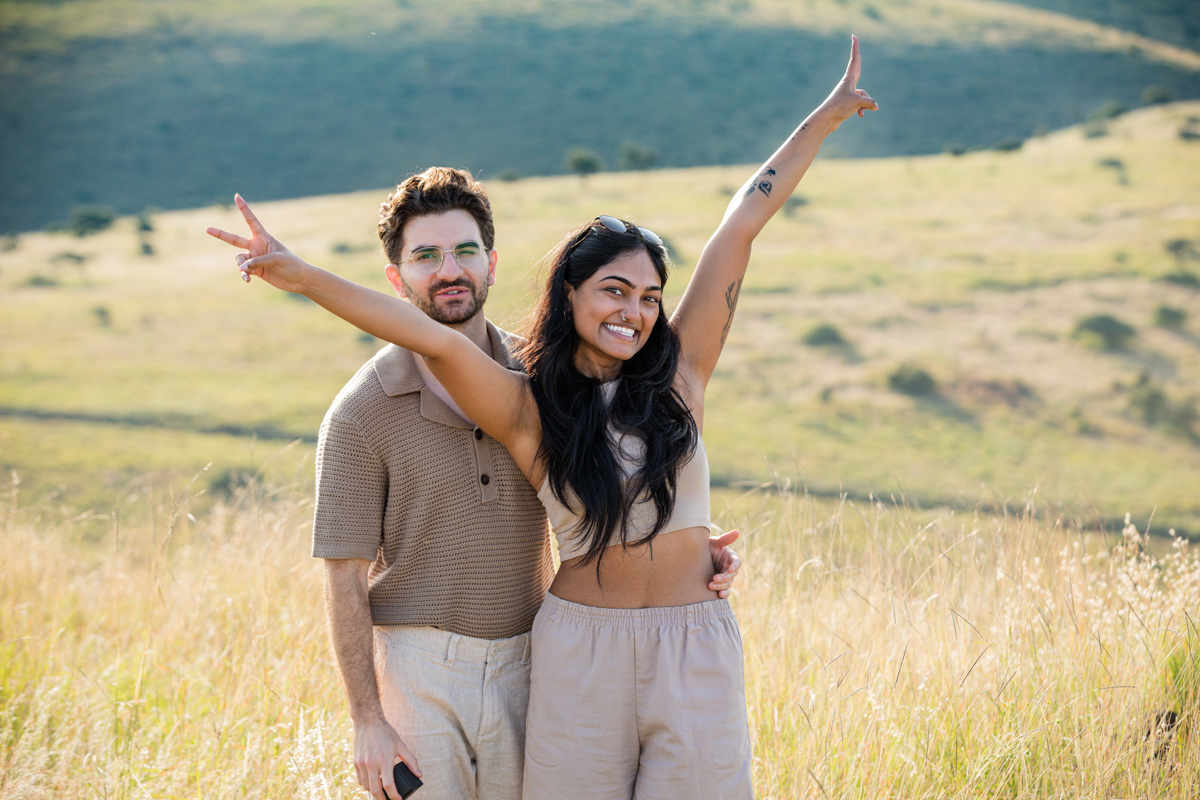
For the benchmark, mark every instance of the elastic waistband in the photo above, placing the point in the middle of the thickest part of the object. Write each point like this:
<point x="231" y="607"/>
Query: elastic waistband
<point x="455" y="646"/>
<point x="560" y="610"/>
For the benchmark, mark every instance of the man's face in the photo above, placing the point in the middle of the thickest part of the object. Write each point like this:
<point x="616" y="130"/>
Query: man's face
<point x="453" y="293"/>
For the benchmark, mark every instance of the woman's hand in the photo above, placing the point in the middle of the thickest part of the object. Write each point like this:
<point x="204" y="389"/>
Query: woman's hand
<point x="725" y="562"/>
<point x="266" y="257"/>
<point x="847" y="99"/>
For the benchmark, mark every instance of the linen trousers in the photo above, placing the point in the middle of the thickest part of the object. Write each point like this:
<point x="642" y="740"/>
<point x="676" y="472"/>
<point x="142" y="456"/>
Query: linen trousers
<point x="645" y="703"/>
<point x="459" y="704"/>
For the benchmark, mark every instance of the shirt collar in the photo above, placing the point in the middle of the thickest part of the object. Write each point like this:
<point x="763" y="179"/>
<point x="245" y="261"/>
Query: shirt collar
<point x="397" y="370"/>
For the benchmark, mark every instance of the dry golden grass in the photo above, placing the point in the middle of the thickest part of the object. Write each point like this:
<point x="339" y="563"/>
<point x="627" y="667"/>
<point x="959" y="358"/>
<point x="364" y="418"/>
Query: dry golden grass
<point x="889" y="653"/>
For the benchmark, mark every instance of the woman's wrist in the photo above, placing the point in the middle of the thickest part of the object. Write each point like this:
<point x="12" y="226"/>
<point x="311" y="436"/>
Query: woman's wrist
<point x="822" y="121"/>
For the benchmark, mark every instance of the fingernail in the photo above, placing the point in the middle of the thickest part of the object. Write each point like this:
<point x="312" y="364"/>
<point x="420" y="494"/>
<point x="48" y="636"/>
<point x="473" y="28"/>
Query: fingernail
<point x="246" y="277"/>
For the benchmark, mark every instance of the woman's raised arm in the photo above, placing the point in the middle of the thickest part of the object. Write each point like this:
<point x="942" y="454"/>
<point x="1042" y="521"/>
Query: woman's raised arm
<point x="496" y="399"/>
<point x="706" y="311"/>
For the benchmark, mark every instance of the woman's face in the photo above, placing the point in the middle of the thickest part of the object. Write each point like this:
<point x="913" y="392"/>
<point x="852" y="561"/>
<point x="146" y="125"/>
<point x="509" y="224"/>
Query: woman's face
<point x="614" y="312"/>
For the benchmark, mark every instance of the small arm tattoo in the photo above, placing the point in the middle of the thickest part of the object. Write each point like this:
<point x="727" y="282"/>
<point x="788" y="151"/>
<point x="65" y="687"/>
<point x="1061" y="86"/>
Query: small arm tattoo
<point x="731" y="298"/>
<point x="760" y="185"/>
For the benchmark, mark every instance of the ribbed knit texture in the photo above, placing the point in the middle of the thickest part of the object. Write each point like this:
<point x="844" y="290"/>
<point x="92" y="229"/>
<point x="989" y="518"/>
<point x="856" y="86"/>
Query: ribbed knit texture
<point x="450" y="550"/>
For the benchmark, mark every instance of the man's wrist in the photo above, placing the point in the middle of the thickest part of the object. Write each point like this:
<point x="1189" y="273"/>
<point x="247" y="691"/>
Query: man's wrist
<point x="369" y="716"/>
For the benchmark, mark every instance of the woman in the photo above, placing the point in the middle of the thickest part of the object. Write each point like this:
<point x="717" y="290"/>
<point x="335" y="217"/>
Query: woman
<point x="637" y="686"/>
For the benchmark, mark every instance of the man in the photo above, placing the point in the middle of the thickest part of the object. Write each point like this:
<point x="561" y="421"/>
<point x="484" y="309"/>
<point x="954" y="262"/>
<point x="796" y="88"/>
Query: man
<point x="435" y="545"/>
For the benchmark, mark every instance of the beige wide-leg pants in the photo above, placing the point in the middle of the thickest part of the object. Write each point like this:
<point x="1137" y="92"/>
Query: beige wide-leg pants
<point x="637" y="703"/>
<point x="459" y="704"/>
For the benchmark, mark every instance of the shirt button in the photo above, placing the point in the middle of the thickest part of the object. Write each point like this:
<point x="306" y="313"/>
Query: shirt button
<point x="495" y="651"/>
<point x="485" y="480"/>
<point x="478" y="433"/>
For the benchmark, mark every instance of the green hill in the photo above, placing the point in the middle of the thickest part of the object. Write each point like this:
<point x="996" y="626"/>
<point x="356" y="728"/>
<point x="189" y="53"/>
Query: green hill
<point x="143" y="104"/>
<point x="993" y="272"/>
<point x="1173" y="21"/>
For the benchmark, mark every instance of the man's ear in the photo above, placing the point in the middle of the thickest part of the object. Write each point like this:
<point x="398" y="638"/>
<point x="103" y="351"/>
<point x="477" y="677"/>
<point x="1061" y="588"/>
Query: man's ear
<point x="393" y="275"/>
<point x="493" y="258"/>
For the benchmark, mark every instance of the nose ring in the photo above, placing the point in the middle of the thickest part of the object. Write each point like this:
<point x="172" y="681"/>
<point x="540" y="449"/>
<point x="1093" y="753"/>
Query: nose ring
<point x="623" y="317"/>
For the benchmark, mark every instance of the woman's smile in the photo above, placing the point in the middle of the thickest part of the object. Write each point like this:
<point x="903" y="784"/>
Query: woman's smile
<point x="621" y="331"/>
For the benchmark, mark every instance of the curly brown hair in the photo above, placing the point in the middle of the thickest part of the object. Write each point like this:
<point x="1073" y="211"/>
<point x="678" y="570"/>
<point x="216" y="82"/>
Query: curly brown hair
<point x="434" y="191"/>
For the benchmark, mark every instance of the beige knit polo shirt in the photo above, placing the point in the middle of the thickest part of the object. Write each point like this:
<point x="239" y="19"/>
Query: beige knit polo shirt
<point x="457" y="535"/>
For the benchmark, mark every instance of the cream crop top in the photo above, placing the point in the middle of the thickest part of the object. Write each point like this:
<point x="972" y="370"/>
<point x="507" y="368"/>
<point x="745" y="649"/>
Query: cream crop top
<point x="691" y="502"/>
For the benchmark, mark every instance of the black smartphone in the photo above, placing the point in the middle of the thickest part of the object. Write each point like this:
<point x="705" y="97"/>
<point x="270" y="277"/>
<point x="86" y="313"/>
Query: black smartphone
<point x="406" y="782"/>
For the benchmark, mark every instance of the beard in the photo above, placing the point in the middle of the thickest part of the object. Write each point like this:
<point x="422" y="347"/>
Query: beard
<point x="456" y="312"/>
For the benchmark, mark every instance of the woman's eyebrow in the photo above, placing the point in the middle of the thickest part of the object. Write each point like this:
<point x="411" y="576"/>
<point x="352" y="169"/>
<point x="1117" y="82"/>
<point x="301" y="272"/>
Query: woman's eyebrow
<point x="629" y="283"/>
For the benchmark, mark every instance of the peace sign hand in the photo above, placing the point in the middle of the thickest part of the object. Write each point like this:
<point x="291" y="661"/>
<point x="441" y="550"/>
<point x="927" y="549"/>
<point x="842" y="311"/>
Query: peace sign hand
<point x="265" y="256"/>
<point x="847" y="99"/>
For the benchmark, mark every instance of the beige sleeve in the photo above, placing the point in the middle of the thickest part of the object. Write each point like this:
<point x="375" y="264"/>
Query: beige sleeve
<point x="352" y="487"/>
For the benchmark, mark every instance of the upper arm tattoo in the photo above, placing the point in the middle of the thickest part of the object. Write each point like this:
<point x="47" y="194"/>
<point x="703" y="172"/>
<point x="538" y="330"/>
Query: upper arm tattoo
<point x="731" y="298"/>
<point x="760" y="184"/>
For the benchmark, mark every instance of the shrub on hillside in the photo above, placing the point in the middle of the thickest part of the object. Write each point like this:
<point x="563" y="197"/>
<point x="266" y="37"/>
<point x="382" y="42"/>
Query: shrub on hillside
<point x="636" y="157"/>
<point x="1151" y="404"/>
<point x="1181" y="250"/>
<point x="1117" y="166"/>
<point x="582" y="162"/>
<point x="87" y="220"/>
<point x="910" y="380"/>
<point x="1110" y="109"/>
<point x="823" y="335"/>
<point x="1182" y="278"/>
<point x="1170" y="318"/>
<point x="1008" y="145"/>
<point x="1104" y="331"/>
<point x="1155" y="95"/>
<point x="509" y="175"/>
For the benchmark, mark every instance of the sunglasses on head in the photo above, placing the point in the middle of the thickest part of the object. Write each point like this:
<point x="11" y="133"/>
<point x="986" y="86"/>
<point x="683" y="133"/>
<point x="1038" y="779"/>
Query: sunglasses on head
<point x="621" y="226"/>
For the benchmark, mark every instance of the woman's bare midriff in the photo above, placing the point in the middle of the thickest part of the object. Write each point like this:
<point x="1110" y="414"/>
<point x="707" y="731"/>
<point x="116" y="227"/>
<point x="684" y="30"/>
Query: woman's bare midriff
<point x="673" y="571"/>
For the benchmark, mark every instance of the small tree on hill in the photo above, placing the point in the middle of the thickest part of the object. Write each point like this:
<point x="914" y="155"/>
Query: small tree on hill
<point x="582" y="162"/>
<point x="91" y="219"/>
<point x="1181" y="249"/>
<point x="1104" y="331"/>
<point x="636" y="157"/>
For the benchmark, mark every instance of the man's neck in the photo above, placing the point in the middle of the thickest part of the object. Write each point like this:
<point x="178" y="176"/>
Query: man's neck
<point x="475" y="329"/>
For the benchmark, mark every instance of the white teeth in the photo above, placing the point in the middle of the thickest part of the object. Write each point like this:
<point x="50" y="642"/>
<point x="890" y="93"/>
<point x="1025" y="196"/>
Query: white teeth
<point x="620" y="329"/>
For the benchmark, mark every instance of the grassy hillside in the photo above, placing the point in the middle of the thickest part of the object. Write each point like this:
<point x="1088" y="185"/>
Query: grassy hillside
<point x="136" y="103"/>
<point x="120" y="372"/>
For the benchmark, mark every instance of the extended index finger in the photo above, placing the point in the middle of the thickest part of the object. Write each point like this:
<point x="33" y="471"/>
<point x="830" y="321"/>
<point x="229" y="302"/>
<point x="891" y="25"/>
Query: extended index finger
<point x="854" y="69"/>
<point x="229" y="238"/>
<point x="255" y="226"/>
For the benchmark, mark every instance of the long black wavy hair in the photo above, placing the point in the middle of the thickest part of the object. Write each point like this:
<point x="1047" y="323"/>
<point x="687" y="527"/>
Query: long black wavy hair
<point x="579" y="423"/>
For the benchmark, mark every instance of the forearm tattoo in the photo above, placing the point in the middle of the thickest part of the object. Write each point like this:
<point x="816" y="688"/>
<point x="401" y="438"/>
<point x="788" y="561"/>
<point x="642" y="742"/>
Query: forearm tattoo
<point x="760" y="184"/>
<point x="731" y="298"/>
